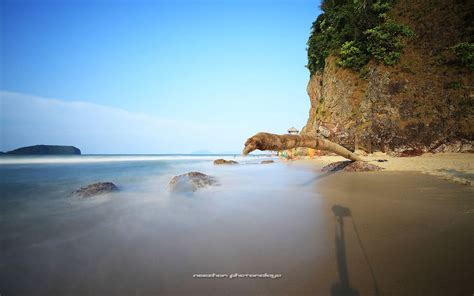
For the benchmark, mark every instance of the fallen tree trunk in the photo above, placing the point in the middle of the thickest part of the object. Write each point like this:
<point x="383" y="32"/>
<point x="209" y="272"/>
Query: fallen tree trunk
<point x="267" y="141"/>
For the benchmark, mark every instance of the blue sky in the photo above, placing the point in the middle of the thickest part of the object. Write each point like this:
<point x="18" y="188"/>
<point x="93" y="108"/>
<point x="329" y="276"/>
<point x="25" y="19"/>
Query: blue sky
<point x="207" y="74"/>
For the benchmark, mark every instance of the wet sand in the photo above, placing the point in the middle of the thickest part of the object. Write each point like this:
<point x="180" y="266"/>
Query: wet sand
<point x="408" y="234"/>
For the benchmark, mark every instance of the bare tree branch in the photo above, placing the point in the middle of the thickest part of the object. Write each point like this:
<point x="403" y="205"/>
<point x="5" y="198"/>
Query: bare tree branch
<point x="267" y="141"/>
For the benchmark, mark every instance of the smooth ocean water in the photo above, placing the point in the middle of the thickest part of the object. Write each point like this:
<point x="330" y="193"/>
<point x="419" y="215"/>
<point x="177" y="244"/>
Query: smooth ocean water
<point x="144" y="240"/>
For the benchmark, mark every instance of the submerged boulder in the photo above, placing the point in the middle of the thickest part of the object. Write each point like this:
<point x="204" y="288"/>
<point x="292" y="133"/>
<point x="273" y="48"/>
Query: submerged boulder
<point x="223" y="161"/>
<point x="351" y="166"/>
<point x="96" y="189"/>
<point x="267" y="161"/>
<point x="191" y="182"/>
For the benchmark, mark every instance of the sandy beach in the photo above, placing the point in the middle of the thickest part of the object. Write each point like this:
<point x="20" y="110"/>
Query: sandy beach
<point x="405" y="234"/>
<point x="456" y="167"/>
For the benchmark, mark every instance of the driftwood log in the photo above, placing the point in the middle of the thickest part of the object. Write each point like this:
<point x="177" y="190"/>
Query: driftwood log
<point x="267" y="141"/>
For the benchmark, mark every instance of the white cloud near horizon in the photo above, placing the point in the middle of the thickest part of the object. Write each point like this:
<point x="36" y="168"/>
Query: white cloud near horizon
<point x="30" y="120"/>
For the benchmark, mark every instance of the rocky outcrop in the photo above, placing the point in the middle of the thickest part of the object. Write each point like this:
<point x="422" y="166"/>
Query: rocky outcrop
<point x="96" y="189"/>
<point x="425" y="103"/>
<point x="350" y="166"/>
<point x="408" y="153"/>
<point x="46" y="150"/>
<point x="192" y="181"/>
<point x="223" y="161"/>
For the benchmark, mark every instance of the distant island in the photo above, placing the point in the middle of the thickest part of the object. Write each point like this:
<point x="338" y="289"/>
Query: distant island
<point x="45" y="150"/>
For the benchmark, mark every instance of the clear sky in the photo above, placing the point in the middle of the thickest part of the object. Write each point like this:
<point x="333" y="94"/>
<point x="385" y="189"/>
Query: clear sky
<point x="152" y="76"/>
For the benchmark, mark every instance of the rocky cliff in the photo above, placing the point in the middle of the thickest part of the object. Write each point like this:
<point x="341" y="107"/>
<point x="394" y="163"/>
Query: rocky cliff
<point x="423" y="103"/>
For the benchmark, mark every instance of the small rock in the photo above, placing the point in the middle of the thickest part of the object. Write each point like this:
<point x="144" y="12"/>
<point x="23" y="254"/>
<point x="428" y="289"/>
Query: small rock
<point x="382" y="160"/>
<point x="336" y="166"/>
<point x="223" y="161"/>
<point x="350" y="166"/>
<point x="411" y="153"/>
<point x="267" y="161"/>
<point x="360" y="152"/>
<point x="361" y="166"/>
<point x="96" y="189"/>
<point x="191" y="182"/>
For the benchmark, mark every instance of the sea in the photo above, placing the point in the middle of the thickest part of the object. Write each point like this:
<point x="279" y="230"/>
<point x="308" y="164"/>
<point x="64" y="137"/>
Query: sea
<point x="144" y="239"/>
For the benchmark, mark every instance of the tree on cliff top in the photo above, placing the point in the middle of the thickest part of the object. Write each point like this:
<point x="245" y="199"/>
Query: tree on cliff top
<point x="356" y="31"/>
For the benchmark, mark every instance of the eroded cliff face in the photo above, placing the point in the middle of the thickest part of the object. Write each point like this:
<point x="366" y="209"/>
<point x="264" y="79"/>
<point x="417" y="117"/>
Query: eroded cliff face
<point x="424" y="103"/>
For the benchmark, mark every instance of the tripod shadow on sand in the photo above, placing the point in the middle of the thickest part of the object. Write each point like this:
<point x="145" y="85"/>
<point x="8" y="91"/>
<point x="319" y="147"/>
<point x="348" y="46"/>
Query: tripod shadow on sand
<point x="343" y="286"/>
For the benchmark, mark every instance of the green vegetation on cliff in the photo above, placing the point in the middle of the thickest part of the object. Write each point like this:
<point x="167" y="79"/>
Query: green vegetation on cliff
<point x="355" y="31"/>
<point x="464" y="52"/>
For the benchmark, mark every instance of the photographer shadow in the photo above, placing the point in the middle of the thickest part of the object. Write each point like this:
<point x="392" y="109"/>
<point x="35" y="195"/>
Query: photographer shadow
<point x="343" y="286"/>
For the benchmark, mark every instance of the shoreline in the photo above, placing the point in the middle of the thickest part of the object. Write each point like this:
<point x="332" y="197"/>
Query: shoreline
<point x="399" y="233"/>
<point x="455" y="167"/>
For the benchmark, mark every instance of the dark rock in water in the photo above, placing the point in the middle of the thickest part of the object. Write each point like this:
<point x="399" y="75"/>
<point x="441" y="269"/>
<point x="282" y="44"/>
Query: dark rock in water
<point x="96" y="189"/>
<point x="223" y="161"/>
<point x="350" y="166"/>
<point x="191" y="182"/>
<point x="46" y="150"/>
<point x="267" y="161"/>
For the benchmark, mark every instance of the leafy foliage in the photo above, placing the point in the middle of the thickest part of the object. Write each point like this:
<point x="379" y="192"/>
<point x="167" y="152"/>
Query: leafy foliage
<point x="384" y="42"/>
<point x="352" y="55"/>
<point x="456" y="84"/>
<point x="465" y="54"/>
<point x="356" y="31"/>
